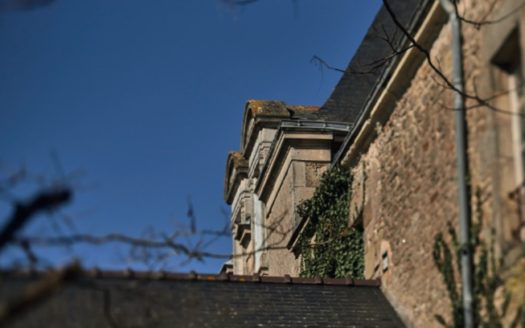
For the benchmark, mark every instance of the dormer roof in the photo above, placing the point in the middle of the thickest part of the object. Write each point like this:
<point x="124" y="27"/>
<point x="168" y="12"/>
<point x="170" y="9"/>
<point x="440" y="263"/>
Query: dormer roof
<point x="269" y="113"/>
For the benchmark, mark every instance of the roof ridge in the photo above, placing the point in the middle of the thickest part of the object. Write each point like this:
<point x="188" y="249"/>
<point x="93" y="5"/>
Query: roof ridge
<point x="193" y="276"/>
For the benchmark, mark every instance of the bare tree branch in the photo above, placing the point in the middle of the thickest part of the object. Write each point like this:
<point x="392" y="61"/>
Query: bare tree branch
<point x="479" y="23"/>
<point x="239" y="2"/>
<point x="23" y="4"/>
<point x="481" y="102"/>
<point x="316" y="60"/>
<point x="23" y="213"/>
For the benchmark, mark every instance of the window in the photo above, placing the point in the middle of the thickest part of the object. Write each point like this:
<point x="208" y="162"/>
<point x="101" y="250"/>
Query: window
<point x="510" y="80"/>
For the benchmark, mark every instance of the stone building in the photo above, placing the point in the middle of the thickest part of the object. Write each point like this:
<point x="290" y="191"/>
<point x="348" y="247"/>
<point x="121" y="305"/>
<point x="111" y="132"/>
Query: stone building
<point x="284" y="150"/>
<point x="390" y="122"/>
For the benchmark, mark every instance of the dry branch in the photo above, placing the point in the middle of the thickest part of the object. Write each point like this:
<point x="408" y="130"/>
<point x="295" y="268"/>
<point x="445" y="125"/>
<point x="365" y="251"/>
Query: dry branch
<point x="24" y="212"/>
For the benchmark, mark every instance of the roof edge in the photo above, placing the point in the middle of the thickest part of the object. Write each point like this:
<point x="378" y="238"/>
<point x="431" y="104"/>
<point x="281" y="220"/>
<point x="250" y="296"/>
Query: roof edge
<point x="129" y="274"/>
<point x="414" y="26"/>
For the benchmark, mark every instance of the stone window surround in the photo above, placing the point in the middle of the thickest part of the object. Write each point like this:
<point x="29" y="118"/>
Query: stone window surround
<point x="508" y="59"/>
<point x="500" y="43"/>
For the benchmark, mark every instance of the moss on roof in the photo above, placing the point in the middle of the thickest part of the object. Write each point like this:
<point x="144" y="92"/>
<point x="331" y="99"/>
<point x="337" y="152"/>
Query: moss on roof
<point x="272" y="108"/>
<point x="275" y="108"/>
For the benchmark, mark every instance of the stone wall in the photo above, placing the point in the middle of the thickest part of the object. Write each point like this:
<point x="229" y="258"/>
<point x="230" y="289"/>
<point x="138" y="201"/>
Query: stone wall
<point x="405" y="176"/>
<point x="298" y="184"/>
<point x="280" y="219"/>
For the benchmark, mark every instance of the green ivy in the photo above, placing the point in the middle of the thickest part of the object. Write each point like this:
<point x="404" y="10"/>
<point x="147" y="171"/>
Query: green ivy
<point x="485" y="281"/>
<point x="328" y="246"/>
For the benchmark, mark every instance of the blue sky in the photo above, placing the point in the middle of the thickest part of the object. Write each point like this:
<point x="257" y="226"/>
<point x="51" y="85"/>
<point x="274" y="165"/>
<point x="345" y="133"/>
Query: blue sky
<point x="144" y="99"/>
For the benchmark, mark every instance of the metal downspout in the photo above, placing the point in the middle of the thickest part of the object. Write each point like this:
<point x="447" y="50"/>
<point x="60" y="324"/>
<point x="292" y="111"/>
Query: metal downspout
<point x="462" y="161"/>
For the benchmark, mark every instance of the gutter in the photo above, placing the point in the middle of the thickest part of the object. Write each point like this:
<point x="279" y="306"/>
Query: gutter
<point x="462" y="162"/>
<point x="461" y="140"/>
<point x="316" y="125"/>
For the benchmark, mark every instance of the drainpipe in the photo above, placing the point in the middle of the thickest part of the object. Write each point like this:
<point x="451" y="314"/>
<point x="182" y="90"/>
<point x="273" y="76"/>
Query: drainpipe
<point x="462" y="161"/>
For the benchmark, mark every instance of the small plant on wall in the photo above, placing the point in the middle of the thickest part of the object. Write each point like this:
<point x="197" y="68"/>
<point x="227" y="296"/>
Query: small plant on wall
<point x="486" y="280"/>
<point x="328" y="246"/>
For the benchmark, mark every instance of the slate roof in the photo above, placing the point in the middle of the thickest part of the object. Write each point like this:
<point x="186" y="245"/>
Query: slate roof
<point x="113" y="299"/>
<point x="361" y="77"/>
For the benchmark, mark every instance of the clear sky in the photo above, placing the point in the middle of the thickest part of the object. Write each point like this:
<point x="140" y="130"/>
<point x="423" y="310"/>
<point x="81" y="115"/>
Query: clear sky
<point x="144" y="99"/>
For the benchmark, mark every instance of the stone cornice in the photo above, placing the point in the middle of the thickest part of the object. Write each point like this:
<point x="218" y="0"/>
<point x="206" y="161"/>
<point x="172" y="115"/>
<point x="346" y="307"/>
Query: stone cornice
<point x="319" y="135"/>
<point x="236" y="170"/>
<point x="260" y="114"/>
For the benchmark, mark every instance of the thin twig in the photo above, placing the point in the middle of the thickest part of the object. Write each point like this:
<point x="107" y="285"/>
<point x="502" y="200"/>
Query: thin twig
<point x="481" y="102"/>
<point x="479" y="23"/>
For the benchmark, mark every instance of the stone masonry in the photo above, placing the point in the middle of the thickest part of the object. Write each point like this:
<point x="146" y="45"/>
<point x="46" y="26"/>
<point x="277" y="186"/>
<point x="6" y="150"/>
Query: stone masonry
<point x="397" y="137"/>
<point x="405" y="174"/>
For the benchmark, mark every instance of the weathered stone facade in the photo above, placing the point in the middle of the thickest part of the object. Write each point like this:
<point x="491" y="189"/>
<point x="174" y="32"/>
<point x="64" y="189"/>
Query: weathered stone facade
<point x="401" y="152"/>
<point x="304" y="158"/>
<point x="284" y="152"/>
<point x="405" y="163"/>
